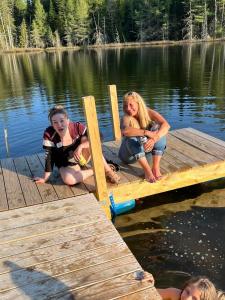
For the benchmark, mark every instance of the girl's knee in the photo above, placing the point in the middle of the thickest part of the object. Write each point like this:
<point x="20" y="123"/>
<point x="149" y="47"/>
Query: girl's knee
<point x="69" y="179"/>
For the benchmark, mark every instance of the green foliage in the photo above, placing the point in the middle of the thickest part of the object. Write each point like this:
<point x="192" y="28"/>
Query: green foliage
<point x="80" y="22"/>
<point x="23" y="37"/>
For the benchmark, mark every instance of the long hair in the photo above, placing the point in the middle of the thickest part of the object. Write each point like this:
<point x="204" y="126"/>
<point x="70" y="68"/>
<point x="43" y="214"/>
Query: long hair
<point x="207" y="288"/>
<point x="57" y="109"/>
<point x="143" y="116"/>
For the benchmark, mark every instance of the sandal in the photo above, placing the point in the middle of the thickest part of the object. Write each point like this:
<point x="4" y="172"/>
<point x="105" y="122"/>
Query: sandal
<point x="112" y="176"/>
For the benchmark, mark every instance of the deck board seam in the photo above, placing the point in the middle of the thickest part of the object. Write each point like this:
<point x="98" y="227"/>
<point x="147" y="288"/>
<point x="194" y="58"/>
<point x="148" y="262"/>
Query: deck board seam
<point x="4" y="185"/>
<point x="196" y="147"/>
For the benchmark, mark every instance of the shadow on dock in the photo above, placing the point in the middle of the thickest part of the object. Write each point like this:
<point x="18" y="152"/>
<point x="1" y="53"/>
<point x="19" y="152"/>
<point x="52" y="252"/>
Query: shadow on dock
<point x="35" y="284"/>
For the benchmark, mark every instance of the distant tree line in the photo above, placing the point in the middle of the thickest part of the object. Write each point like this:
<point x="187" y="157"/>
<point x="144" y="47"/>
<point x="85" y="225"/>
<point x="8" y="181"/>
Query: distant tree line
<point x="55" y="23"/>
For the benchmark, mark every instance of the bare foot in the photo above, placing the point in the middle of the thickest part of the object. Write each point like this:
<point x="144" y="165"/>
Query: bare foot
<point x="150" y="177"/>
<point x="157" y="174"/>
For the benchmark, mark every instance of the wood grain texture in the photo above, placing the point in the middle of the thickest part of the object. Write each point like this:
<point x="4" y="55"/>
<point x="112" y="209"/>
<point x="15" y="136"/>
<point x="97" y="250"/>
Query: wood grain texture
<point x="115" y="111"/>
<point x="46" y="190"/>
<point x="3" y="198"/>
<point x="12" y="184"/>
<point x="29" y="188"/>
<point x="65" y="252"/>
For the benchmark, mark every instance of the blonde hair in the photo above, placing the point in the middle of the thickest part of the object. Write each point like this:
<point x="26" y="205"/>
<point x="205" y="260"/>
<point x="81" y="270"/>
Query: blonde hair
<point x="207" y="288"/>
<point x="57" y="109"/>
<point x="143" y="116"/>
<point x="221" y="295"/>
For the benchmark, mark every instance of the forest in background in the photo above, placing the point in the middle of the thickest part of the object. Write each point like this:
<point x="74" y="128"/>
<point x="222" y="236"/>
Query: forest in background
<point x="56" y="23"/>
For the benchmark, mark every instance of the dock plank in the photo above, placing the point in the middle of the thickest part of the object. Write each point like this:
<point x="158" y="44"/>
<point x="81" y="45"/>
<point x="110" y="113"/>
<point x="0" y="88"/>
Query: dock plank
<point x="197" y="155"/>
<point x="29" y="188"/>
<point x="3" y="199"/>
<point x="206" y="136"/>
<point x="110" y="156"/>
<point x="12" y="185"/>
<point x="73" y="264"/>
<point x="62" y="190"/>
<point x="46" y="190"/>
<point x="201" y="143"/>
<point x="61" y="256"/>
<point x="60" y="251"/>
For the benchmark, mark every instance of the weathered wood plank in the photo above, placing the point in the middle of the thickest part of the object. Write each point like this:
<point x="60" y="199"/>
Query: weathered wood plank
<point x="3" y="199"/>
<point x="79" y="189"/>
<point x="175" y="162"/>
<point x="60" y="236"/>
<point x="127" y="170"/>
<point x="79" y="204"/>
<point x="170" y="182"/>
<point x="200" y="143"/>
<point x="199" y="156"/>
<point x="48" y="287"/>
<point x="60" y="251"/>
<point x="46" y="190"/>
<point x="62" y="190"/>
<point x="114" y="288"/>
<point x="207" y="136"/>
<point x="56" y="268"/>
<point x="12" y="185"/>
<point x="29" y="188"/>
<point x="110" y="156"/>
<point x="178" y="155"/>
<point x="50" y="227"/>
<point x="148" y="292"/>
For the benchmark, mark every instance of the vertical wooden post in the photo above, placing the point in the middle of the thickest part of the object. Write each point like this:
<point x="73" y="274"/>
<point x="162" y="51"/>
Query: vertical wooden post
<point x="96" y="153"/>
<point x="115" y="111"/>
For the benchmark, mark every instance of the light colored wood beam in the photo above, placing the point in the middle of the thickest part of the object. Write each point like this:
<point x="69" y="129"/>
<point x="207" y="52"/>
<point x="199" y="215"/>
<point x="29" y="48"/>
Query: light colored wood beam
<point x="115" y="111"/>
<point x="172" y="181"/>
<point x="96" y="153"/>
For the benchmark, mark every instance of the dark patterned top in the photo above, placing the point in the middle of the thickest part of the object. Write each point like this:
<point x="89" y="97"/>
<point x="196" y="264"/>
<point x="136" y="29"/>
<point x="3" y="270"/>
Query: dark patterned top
<point x="55" y="152"/>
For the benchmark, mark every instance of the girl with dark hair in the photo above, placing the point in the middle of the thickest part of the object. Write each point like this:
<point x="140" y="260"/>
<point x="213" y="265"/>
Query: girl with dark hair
<point x="66" y="146"/>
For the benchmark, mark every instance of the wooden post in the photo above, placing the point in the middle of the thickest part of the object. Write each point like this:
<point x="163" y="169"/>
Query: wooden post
<point x="115" y="111"/>
<point x="96" y="153"/>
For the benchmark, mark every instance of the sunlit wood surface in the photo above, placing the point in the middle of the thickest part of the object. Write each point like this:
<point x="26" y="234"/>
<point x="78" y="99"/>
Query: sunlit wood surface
<point x="191" y="157"/>
<point x="66" y="250"/>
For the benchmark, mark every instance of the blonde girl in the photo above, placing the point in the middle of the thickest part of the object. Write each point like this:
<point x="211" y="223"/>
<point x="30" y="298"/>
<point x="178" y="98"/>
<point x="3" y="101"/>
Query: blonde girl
<point x="196" y="288"/>
<point x="139" y="122"/>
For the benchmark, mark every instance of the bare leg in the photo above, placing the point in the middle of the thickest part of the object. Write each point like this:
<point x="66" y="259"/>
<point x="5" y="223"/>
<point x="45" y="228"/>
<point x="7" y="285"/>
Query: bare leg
<point x="73" y="175"/>
<point x="147" y="169"/>
<point x="156" y="166"/>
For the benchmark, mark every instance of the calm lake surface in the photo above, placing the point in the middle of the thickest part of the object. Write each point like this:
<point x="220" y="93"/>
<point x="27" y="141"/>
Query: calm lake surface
<point x="174" y="234"/>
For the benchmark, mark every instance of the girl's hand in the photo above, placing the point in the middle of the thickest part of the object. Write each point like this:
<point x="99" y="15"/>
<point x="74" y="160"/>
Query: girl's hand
<point x="148" y="277"/>
<point x="39" y="180"/>
<point x="77" y="153"/>
<point x="149" y="145"/>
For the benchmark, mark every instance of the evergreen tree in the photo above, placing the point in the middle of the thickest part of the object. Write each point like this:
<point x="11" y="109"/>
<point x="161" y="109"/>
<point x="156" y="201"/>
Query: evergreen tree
<point x="39" y="23"/>
<point x="49" y="38"/>
<point x="23" y="38"/>
<point x="6" y="24"/>
<point x="81" y="26"/>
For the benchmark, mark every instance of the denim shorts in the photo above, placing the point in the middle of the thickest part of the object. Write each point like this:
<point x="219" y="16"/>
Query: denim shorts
<point x="132" y="149"/>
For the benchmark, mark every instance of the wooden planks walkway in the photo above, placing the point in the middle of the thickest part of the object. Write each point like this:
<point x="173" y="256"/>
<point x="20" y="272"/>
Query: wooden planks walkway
<point x="191" y="157"/>
<point x="66" y="250"/>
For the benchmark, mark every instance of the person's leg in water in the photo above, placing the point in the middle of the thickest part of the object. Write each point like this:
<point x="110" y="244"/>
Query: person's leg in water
<point x="132" y="150"/>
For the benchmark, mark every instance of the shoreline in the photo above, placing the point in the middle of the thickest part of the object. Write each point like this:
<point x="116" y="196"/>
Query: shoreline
<point x="111" y="45"/>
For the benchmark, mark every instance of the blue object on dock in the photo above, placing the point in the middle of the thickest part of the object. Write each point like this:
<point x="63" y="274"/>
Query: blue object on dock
<point x="123" y="207"/>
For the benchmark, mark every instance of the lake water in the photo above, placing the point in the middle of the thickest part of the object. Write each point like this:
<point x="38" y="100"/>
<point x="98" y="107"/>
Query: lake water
<point x="174" y="234"/>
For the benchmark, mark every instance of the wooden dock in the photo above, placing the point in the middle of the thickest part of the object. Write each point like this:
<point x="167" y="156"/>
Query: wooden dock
<point x="66" y="250"/>
<point x="191" y="157"/>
